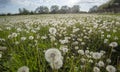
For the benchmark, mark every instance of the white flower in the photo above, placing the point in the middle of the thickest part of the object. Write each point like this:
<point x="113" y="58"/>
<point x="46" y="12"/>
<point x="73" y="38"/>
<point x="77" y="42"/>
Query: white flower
<point x="52" y="30"/>
<point x="14" y="34"/>
<point x="64" y="49"/>
<point x="19" y="29"/>
<point x="101" y="64"/>
<point x="52" y="38"/>
<point x="76" y="47"/>
<point x="110" y="68"/>
<point x="23" y="38"/>
<point x="0" y="55"/>
<point x="108" y="60"/>
<point x="81" y="52"/>
<point x="31" y="37"/>
<point x="82" y="43"/>
<point x="44" y="37"/>
<point x="96" y="69"/>
<point x="56" y="65"/>
<point x="96" y="55"/>
<point x="108" y="36"/>
<point x="23" y="69"/>
<point x="3" y="48"/>
<point x="106" y="40"/>
<point x="52" y="55"/>
<point x="113" y="44"/>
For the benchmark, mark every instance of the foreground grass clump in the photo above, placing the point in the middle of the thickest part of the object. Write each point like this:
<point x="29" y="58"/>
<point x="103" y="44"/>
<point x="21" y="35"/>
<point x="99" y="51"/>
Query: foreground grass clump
<point x="77" y="43"/>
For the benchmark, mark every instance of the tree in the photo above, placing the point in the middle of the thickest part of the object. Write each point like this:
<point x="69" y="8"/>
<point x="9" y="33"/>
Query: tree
<point x="23" y="11"/>
<point x="20" y="10"/>
<point x="54" y="9"/>
<point x="110" y="6"/>
<point x="76" y="9"/>
<point x="64" y="9"/>
<point x="42" y="10"/>
<point x="93" y="9"/>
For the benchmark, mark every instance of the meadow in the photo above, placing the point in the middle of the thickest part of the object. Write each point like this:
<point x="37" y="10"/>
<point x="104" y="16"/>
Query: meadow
<point x="60" y="43"/>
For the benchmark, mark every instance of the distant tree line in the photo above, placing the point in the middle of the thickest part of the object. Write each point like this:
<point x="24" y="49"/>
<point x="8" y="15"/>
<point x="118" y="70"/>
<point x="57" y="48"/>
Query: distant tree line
<point x="55" y="9"/>
<point x="112" y="6"/>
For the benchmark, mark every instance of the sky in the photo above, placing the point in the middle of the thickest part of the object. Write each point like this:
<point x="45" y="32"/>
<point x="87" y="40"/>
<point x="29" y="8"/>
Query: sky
<point x="11" y="6"/>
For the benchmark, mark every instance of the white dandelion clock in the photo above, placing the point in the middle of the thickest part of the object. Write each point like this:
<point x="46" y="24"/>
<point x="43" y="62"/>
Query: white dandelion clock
<point x="81" y="52"/>
<point x="96" y="69"/>
<point x="52" y="30"/>
<point x="52" y="55"/>
<point x="96" y="55"/>
<point x="101" y="64"/>
<point x="31" y="37"/>
<point x="23" y="69"/>
<point x="111" y="68"/>
<point x="113" y="44"/>
<point x="56" y="65"/>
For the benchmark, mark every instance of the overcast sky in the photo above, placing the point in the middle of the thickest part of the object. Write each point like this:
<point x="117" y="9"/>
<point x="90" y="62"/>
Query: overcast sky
<point x="13" y="5"/>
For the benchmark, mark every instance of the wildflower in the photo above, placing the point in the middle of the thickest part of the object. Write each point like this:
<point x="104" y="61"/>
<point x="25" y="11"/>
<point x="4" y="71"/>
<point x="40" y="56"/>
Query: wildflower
<point x="113" y="44"/>
<point x="19" y="29"/>
<point x="101" y="64"/>
<point x="23" y="38"/>
<point x="81" y="52"/>
<point x="52" y="30"/>
<point x="16" y="42"/>
<point x="96" y="69"/>
<point x="31" y="37"/>
<point x="76" y="47"/>
<point x="108" y="60"/>
<point x="23" y="69"/>
<point x="44" y="37"/>
<point x="91" y="61"/>
<point x="52" y="38"/>
<point x="82" y="43"/>
<point x="96" y="55"/>
<point x="14" y="34"/>
<point x="106" y="40"/>
<point x="56" y="65"/>
<point x="110" y="68"/>
<point x="108" y="36"/>
<point x="3" y="48"/>
<point x="52" y="55"/>
<point x="64" y="49"/>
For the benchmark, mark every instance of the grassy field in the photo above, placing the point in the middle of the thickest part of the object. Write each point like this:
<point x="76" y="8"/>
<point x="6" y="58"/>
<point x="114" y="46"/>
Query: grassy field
<point x="78" y="43"/>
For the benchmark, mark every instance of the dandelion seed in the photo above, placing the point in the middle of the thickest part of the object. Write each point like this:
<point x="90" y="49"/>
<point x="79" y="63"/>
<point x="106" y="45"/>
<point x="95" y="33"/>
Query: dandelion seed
<point x="108" y="60"/>
<point x="96" y="69"/>
<point x="3" y="48"/>
<point x="23" y="69"/>
<point x="23" y="38"/>
<point x="52" y="30"/>
<point x="106" y="40"/>
<point x="56" y="65"/>
<point x="64" y="49"/>
<point x="52" y="55"/>
<point x="14" y="34"/>
<point x="81" y="52"/>
<point x="31" y="37"/>
<point x="110" y="68"/>
<point x="113" y="44"/>
<point x="101" y="64"/>
<point x="96" y="55"/>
